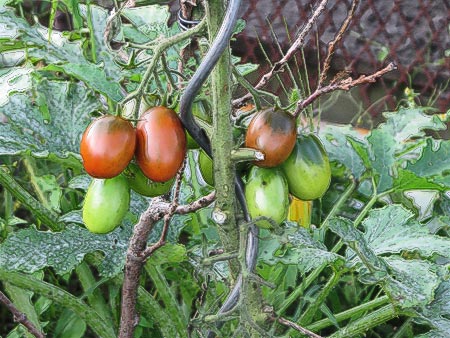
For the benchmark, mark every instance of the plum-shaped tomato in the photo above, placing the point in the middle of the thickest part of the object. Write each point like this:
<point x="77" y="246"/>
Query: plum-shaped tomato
<point x="161" y="144"/>
<point x="107" y="146"/>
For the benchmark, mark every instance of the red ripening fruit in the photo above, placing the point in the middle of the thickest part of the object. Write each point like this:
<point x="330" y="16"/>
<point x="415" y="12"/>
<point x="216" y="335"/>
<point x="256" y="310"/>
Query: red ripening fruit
<point x="273" y="132"/>
<point x="161" y="144"/>
<point x="107" y="146"/>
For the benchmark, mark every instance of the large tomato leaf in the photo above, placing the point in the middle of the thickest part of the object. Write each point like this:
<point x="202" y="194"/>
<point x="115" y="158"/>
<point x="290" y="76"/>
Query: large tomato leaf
<point x="51" y="123"/>
<point x="31" y="250"/>
<point x="392" y="230"/>
<point x="69" y="56"/>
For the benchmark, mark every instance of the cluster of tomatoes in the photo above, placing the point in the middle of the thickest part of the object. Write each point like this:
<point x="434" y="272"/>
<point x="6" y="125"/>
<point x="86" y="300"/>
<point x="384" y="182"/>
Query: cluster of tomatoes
<point x="108" y="146"/>
<point x="292" y="164"/>
<point x="296" y="165"/>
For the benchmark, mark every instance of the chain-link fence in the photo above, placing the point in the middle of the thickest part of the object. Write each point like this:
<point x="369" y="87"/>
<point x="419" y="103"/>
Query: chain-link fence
<point x="413" y="34"/>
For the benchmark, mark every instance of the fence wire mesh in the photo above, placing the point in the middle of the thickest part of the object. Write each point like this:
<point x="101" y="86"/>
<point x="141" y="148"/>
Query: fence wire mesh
<point x="413" y="34"/>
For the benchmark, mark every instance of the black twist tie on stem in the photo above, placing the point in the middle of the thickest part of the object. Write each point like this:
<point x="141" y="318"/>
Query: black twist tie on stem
<point x="184" y="23"/>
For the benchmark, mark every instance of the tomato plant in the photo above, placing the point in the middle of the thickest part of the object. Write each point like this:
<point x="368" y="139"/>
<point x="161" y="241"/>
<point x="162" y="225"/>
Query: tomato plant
<point x="266" y="193"/>
<point x="145" y="186"/>
<point x="161" y="144"/>
<point x="107" y="146"/>
<point x="105" y="204"/>
<point x="271" y="131"/>
<point x="307" y="169"/>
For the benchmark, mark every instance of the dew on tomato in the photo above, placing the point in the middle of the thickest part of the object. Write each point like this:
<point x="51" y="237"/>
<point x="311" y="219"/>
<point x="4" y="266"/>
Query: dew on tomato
<point x="273" y="132"/>
<point x="161" y="144"/>
<point x="107" y="146"/>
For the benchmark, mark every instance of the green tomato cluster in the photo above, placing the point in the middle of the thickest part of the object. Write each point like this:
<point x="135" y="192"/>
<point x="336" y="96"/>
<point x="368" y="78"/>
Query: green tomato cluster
<point x="306" y="174"/>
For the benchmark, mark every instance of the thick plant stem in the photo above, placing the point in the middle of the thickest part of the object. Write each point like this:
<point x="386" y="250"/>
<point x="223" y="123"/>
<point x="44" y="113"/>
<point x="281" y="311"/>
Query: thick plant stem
<point x="355" y="312"/>
<point x="367" y="322"/>
<point x="222" y="139"/>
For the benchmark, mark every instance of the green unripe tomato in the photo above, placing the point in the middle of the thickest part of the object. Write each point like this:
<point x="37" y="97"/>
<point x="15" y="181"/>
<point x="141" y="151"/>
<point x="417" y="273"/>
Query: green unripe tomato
<point x="266" y="193"/>
<point x="145" y="186"/>
<point x="307" y="169"/>
<point x="106" y="203"/>
<point x="206" y="167"/>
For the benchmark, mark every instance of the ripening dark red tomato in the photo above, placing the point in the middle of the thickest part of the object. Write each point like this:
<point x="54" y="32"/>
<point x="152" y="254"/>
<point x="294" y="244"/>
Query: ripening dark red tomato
<point x="161" y="144"/>
<point x="273" y="132"/>
<point x="107" y="146"/>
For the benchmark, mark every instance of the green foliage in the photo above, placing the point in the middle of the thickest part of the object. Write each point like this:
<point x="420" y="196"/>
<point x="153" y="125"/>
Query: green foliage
<point x="378" y="250"/>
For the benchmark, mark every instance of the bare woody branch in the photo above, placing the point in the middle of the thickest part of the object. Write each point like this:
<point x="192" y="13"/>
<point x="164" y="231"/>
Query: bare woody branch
<point x="335" y="41"/>
<point x="298" y="44"/>
<point x="345" y="84"/>
<point x="138" y="252"/>
<point x="20" y="317"/>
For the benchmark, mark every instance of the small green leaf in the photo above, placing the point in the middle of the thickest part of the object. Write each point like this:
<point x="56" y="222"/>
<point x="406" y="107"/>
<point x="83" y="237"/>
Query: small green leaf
<point x="336" y="142"/>
<point x="69" y="325"/>
<point x="297" y="248"/>
<point x="169" y="253"/>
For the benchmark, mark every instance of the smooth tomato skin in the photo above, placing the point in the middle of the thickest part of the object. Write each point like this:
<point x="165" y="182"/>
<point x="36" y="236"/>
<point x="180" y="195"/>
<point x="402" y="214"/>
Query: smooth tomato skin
<point x="106" y="203"/>
<point x="308" y="169"/>
<point x="266" y="194"/>
<point x="145" y="186"/>
<point x="206" y="167"/>
<point x="161" y="144"/>
<point x="273" y="132"/>
<point x="107" y="146"/>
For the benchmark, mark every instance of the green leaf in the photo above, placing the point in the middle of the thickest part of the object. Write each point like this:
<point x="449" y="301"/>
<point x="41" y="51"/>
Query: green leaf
<point x="150" y="20"/>
<point x="31" y="250"/>
<point x="393" y="229"/>
<point x="94" y="76"/>
<point x="58" y="49"/>
<point x="354" y="238"/>
<point x="383" y="147"/>
<point x="433" y="162"/>
<point x="69" y="106"/>
<point x="407" y="180"/>
<point x="336" y="142"/>
<point x="15" y="80"/>
<point x="105" y="55"/>
<point x="411" y="283"/>
<point x="69" y="325"/>
<point x="297" y="247"/>
<point x="438" y="312"/>
<point x="408" y="123"/>
<point x="169" y="253"/>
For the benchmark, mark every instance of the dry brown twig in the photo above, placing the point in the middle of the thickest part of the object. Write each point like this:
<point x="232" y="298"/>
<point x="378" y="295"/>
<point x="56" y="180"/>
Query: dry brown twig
<point x="283" y="321"/>
<point x="298" y="44"/>
<point x="332" y="44"/>
<point x="20" y="317"/>
<point x="345" y="84"/>
<point x="138" y="252"/>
